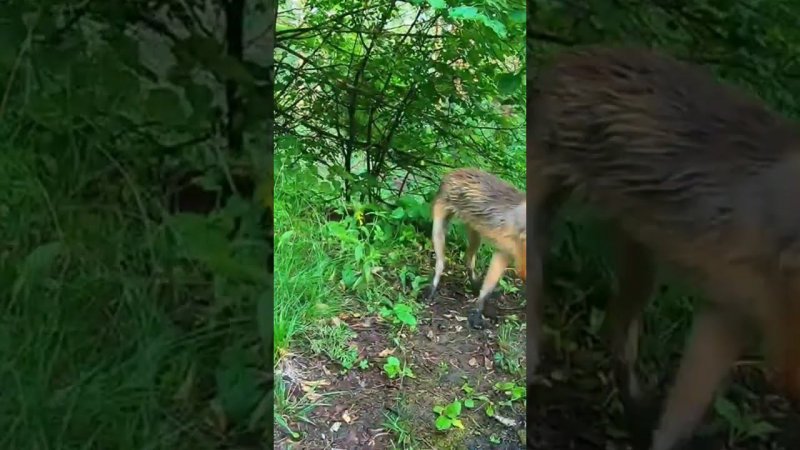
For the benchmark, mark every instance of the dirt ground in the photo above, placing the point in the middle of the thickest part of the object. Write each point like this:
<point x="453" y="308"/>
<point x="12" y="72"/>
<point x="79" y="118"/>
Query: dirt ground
<point x="444" y="354"/>
<point x="572" y="405"/>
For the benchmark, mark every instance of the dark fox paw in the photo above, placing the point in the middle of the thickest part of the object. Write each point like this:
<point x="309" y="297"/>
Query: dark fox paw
<point x="475" y="285"/>
<point x="490" y="309"/>
<point x="427" y="295"/>
<point x="475" y="319"/>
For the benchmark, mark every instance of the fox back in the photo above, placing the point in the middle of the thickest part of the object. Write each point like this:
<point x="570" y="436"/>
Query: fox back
<point x="488" y="204"/>
<point x="703" y="174"/>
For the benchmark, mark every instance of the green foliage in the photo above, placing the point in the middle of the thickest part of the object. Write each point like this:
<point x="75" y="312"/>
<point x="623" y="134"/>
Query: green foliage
<point x="513" y="391"/>
<point x="743" y="424"/>
<point x="404" y="87"/>
<point x="334" y="342"/>
<point x="123" y="314"/>
<point x="448" y="416"/>
<point x="394" y="369"/>
<point x="400" y="313"/>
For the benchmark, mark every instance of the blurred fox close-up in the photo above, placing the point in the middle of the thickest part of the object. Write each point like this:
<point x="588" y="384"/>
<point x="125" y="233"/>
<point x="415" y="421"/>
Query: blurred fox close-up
<point x="686" y="170"/>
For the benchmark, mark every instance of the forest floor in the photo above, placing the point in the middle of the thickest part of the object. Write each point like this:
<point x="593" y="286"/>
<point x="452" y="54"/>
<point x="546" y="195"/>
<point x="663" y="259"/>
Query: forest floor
<point x="450" y="362"/>
<point x="574" y="402"/>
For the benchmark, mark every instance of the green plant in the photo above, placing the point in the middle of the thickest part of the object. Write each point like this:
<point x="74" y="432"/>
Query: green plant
<point x="743" y="425"/>
<point x="334" y="342"/>
<point x="393" y="369"/>
<point x="512" y="391"/>
<point x="400" y="313"/>
<point x="471" y="396"/>
<point x="448" y="416"/>
<point x="510" y="347"/>
<point x="400" y="428"/>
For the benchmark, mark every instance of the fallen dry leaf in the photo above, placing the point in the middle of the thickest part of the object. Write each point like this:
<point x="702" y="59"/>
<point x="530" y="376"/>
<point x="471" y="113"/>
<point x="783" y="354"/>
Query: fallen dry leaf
<point x="461" y="318"/>
<point x="347" y="418"/>
<point x="386" y="352"/>
<point x="308" y="385"/>
<point x="473" y="362"/>
<point x="335" y="427"/>
<point x="505" y="420"/>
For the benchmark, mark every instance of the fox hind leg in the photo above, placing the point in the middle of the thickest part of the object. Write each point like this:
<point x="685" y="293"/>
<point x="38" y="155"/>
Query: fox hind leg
<point x="441" y="218"/>
<point x="473" y="244"/>
<point x="498" y="265"/>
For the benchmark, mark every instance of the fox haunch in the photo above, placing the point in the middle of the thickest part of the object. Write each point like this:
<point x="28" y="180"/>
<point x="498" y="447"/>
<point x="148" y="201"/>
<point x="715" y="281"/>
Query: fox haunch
<point x="692" y="172"/>
<point x="490" y="209"/>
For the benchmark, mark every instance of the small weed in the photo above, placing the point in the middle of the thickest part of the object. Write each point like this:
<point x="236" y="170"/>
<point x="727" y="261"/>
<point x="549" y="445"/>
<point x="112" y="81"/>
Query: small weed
<point x="393" y="369"/>
<point x="363" y="364"/>
<point x="400" y="313"/>
<point x="509" y="356"/>
<point x="512" y="391"/>
<point x="448" y="416"/>
<point x="401" y="429"/>
<point x="289" y="407"/>
<point x="442" y="369"/>
<point x="508" y="286"/>
<point x="334" y="342"/>
<point x="471" y="397"/>
<point x="409" y="279"/>
<point x="743" y="425"/>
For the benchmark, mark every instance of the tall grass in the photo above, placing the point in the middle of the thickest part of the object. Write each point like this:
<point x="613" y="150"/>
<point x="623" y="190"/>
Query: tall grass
<point x="109" y="338"/>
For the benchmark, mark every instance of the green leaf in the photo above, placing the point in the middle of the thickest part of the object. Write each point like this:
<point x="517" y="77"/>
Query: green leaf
<point x="438" y="409"/>
<point x="398" y="213"/>
<point x="762" y="428"/>
<point x="490" y="410"/>
<point x="464" y="12"/>
<point x="201" y="241"/>
<point x="518" y="16"/>
<point x="496" y="26"/>
<point x="443" y="423"/>
<point x="35" y="266"/>
<point x="453" y="409"/>
<point x="164" y="105"/>
<point x="437" y="4"/>
<point x="200" y="97"/>
<point x="469" y="403"/>
<point x="504" y="386"/>
<point x="508" y="83"/>
<point x="393" y="363"/>
<point x="403" y="313"/>
<point x="41" y="259"/>
<point x="472" y="13"/>
<point x="237" y="385"/>
<point x="727" y="410"/>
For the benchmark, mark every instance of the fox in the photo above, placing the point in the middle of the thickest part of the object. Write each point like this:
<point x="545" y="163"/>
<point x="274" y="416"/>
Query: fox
<point x="491" y="209"/>
<point x="691" y="172"/>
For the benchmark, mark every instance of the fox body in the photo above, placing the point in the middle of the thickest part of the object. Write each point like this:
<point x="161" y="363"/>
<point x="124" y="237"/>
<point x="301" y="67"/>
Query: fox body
<point x="490" y="209"/>
<point x="692" y="172"/>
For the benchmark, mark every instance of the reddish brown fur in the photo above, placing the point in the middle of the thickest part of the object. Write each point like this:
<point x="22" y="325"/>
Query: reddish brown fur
<point x="691" y="170"/>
